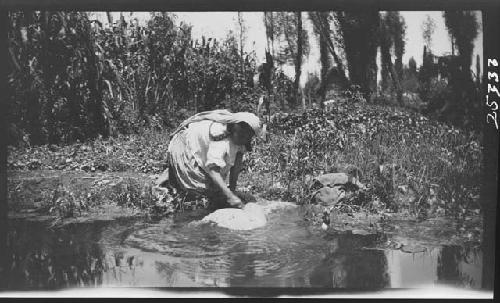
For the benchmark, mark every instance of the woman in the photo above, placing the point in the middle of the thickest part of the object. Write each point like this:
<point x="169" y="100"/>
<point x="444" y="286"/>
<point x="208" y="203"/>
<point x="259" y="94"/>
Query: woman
<point x="208" y="147"/>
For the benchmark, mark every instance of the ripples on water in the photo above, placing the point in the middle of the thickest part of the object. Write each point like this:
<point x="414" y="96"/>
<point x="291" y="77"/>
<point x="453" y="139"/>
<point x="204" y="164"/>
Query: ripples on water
<point x="285" y="253"/>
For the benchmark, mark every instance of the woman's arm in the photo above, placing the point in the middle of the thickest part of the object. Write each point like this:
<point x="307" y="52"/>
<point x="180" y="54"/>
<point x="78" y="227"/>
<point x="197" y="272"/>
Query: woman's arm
<point x="214" y="173"/>
<point x="235" y="171"/>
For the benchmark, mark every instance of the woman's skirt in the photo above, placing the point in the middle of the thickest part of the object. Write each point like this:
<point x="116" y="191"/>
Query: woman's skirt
<point x="184" y="171"/>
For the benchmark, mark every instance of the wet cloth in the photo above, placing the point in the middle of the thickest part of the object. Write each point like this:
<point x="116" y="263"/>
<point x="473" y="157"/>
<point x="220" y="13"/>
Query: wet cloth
<point x="196" y="148"/>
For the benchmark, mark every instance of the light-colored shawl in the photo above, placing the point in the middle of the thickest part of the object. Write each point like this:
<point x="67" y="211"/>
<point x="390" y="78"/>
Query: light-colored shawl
<point x="223" y="116"/>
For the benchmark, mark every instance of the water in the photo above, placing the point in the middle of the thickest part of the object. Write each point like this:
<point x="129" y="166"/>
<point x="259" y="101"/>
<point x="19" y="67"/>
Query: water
<point x="174" y="253"/>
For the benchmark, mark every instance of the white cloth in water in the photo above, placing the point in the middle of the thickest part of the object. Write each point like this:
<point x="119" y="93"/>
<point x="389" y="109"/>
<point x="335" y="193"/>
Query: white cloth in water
<point x="251" y="216"/>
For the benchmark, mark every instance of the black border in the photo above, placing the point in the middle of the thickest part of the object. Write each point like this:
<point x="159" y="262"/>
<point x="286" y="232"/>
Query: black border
<point x="250" y="5"/>
<point x="491" y="48"/>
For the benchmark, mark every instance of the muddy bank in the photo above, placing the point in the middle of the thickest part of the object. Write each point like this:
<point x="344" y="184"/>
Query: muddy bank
<point x="71" y="197"/>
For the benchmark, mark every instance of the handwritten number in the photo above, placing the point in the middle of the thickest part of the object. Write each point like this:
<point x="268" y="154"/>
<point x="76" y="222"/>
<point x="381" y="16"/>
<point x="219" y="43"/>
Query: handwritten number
<point x="493" y="103"/>
<point x="494" y="89"/>
<point x="493" y="75"/>
<point x="493" y="116"/>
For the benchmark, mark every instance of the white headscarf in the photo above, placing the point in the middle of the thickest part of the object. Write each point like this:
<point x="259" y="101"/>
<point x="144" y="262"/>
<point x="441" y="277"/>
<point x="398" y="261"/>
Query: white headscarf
<point x="224" y="116"/>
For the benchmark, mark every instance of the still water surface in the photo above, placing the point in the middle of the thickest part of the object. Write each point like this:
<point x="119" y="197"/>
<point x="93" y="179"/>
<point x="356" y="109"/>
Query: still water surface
<point x="287" y="252"/>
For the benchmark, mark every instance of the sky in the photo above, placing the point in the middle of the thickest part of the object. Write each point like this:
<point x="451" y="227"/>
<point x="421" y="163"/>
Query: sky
<point x="218" y="24"/>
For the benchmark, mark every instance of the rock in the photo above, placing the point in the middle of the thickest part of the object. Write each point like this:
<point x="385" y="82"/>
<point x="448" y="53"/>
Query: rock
<point x="328" y="196"/>
<point x="332" y="179"/>
<point x="361" y="232"/>
<point x="251" y="216"/>
<point x="335" y="179"/>
<point x="413" y="248"/>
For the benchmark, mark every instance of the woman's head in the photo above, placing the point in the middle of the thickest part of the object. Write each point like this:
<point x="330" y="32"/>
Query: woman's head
<point x="241" y="134"/>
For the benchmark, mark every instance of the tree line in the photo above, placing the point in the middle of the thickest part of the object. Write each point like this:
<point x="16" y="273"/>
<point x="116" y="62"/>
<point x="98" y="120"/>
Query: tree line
<point x="72" y="78"/>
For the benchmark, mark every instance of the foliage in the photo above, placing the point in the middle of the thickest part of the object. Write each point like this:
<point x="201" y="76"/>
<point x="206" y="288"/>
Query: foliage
<point x="55" y="78"/>
<point x="428" y="27"/>
<point x="393" y="33"/>
<point x="406" y="159"/>
<point x="463" y="29"/>
<point x="72" y="79"/>
<point x="410" y="164"/>
<point x="311" y="88"/>
<point x="145" y="152"/>
<point x="286" y="31"/>
<point x="437" y="92"/>
<point x="412" y="66"/>
<point x="360" y="32"/>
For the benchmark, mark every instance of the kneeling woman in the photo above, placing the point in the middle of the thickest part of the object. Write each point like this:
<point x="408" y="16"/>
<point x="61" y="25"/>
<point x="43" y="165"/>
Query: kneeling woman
<point x="208" y="147"/>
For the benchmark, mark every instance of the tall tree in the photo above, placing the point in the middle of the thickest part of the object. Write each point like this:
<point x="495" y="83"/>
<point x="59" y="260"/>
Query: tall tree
<point x="412" y="66"/>
<point x="463" y="29"/>
<point x="360" y="35"/>
<point x="319" y="19"/>
<point x="242" y="37"/>
<point x="269" y="25"/>
<point x="478" y="70"/>
<point x="321" y="27"/>
<point x="292" y="41"/>
<point x="428" y="27"/>
<point x="390" y="31"/>
<point x="399" y="32"/>
<point x="298" y="60"/>
<point x="425" y="74"/>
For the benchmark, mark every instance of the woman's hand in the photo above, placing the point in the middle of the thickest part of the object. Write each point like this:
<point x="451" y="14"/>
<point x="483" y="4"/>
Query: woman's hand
<point x="231" y="198"/>
<point x="234" y="201"/>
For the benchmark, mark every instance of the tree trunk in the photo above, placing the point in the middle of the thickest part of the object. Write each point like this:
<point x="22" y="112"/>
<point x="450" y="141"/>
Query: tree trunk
<point x="385" y="72"/>
<point x="325" y="65"/>
<point x="240" y="22"/>
<point x="110" y="18"/>
<point x="359" y="31"/>
<point x="298" y="60"/>
<point x="320" y="22"/>
<point x="268" y="38"/>
<point x="385" y="44"/>
<point x="478" y="71"/>
<point x="387" y="55"/>
<point x="272" y="34"/>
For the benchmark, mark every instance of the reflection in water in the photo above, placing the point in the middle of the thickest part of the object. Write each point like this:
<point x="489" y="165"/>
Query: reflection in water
<point x="284" y="253"/>
<point x="42" y="259"/>
<point x="4" y="259"/>
<point x="347" y="265"/>
<point x="460" y="265"/>
<point x="412" y="269"/>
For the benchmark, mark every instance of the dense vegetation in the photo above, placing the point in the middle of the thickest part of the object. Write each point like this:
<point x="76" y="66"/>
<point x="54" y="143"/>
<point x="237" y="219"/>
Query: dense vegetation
<point x="410" y="164"/>
<point x="72" y="79"/>
<point x="91" y="98"/>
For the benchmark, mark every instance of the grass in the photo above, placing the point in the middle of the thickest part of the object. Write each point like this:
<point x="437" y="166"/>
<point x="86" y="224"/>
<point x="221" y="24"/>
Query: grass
<point x="410" y="164"/>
